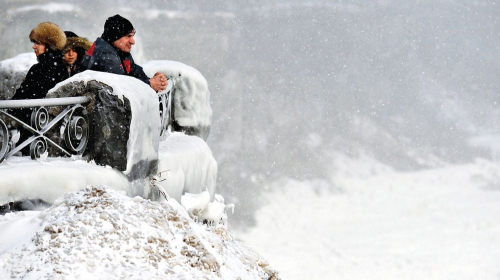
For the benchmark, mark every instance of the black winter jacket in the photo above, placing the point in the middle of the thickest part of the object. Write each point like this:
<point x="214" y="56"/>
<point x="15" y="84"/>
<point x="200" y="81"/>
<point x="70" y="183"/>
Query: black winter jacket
<point x="103" y="57"/>
<point x="42" y="76"/>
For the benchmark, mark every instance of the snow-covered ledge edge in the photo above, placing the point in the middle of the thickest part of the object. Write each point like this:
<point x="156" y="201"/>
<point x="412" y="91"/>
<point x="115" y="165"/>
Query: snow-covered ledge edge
<point x="187" y="160"/>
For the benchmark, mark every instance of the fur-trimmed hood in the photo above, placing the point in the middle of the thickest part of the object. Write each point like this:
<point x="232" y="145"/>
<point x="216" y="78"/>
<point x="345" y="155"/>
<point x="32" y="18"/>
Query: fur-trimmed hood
<point x="77" y="42"/>
<point x="49" y="33"/>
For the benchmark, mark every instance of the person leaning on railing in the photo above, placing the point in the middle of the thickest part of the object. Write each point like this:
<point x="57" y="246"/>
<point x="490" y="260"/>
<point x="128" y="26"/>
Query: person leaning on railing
<point x="111" y="53"/>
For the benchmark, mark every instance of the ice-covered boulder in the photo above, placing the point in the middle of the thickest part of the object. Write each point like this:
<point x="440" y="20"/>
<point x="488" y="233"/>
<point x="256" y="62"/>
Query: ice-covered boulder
<point x="125" y="122"/>
<point x="191" y="109"/>
<point x="186" y="165"/>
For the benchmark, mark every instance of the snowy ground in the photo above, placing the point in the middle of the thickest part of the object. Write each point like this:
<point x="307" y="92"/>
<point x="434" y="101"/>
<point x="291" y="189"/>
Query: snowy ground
<point x="101" y="233"/>
<point x="435" y="224"/>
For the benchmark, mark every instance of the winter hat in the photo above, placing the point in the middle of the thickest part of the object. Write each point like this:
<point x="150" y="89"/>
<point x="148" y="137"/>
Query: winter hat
<point x="115" y="28"/>
<point x="79" y="44"/>
<point x="70" y="34"/>
<point x="50" y="34"/>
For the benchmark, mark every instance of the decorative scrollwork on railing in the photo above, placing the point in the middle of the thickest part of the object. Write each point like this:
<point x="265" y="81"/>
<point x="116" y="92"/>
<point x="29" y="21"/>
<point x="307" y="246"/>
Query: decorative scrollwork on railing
<point x="77" y="130"/>
<point x="165" y="100"/>
<point x="67" y="132"/>
<point x="38" y="147"/>
<point x="39" y="118"/>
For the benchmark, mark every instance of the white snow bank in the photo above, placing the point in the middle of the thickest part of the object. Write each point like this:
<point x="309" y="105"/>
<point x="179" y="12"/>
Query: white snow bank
<point x="187" y="165"/>
<point x="22" y="178"/>
<point x="102" y="234"/>
<point x="187" y="161"/>
<point x="12" y="73"/>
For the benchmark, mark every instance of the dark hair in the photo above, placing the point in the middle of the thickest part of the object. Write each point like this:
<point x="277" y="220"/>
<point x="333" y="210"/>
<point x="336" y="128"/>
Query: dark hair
<point x="70" y="34"/>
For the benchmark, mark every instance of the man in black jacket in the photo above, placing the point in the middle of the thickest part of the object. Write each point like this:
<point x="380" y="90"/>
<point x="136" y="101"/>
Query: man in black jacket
<point x="111" y="53"/>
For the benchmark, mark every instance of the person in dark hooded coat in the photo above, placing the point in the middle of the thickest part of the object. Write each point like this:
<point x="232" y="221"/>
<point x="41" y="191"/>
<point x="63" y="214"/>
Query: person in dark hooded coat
<point x="48" y="41"/>
<point x="74" y="51"/>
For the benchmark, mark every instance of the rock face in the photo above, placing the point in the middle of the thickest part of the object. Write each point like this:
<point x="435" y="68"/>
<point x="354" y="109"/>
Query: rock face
<point x="124" y="123"/>
<point x="111" y="119"/>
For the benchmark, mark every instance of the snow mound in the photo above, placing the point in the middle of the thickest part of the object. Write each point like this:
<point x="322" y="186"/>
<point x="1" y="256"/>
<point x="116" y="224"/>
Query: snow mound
<point x="191" y="96"/>
<point x="12" y="73"/>
<point x="104" y="234"/>
<point x="187" y="164"/>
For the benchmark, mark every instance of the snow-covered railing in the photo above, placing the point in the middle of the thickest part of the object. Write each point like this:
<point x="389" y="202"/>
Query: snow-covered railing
<point x="71" y="125"/>
<point x="166" y="108"/>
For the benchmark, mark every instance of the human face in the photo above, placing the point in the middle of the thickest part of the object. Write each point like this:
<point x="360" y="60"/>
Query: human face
<point x="38" y="48"/>
<point x="70" y="57"/>
<point x="125" y="43"/>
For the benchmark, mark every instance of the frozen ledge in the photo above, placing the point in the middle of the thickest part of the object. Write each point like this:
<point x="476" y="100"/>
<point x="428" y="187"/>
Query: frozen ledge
<point x="187" y="160"/>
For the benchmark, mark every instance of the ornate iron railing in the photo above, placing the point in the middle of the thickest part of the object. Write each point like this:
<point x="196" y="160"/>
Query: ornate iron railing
<point x="67" y="132"/>
<point x="71" y="125"/>
<point x="165" y="99"/>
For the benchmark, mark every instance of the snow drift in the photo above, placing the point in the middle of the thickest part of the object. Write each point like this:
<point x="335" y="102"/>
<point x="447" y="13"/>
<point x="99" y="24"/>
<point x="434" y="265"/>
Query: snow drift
<point x="104" y="234"/>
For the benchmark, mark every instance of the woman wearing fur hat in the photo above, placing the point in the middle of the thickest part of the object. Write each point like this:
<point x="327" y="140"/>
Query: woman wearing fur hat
<point x="48" y="41"/>
<point x="74" y="51"/>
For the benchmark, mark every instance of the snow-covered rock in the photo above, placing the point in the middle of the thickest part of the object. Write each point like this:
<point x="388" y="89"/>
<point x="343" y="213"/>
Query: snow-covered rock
<point x="12" y="73"/>
<point x="101" y="233"/>
<point x="190" y="95"/>
<point x="144" y="124"/>
<point x="187" y="165"/>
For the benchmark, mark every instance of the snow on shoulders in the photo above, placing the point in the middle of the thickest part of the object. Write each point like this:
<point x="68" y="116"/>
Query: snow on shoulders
<point x="103" y="232"/>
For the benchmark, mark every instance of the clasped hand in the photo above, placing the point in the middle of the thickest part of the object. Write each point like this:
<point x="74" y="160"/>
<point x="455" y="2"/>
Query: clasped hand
<point x="158" y="82"/>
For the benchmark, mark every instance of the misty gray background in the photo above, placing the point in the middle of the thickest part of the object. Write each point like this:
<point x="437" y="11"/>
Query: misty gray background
<point x="294" y="83"/>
